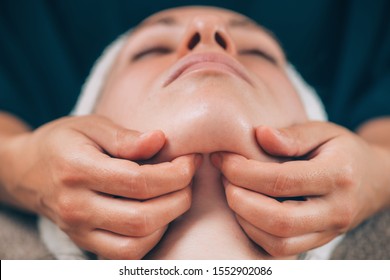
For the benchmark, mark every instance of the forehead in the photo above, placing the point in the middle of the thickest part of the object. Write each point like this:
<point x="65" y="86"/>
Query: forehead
<point x="184" y="14"/>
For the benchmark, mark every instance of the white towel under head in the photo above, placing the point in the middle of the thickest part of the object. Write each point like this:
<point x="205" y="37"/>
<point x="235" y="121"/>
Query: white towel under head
<point x="60" y="244"/>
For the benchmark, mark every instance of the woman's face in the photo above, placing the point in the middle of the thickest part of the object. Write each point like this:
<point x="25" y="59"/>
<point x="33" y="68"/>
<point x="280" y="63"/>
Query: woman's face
<point x="204" y="76"/>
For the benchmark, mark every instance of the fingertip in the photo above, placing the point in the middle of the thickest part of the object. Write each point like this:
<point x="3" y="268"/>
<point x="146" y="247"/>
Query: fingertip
<point x="266" y="132"/>
<point x="149" y="144"/>
<point x="216" y="159"/>
<point x="259" y="130"/>
<point x="274" y="141"/>
<point x="188" y="197"/>
<point x="222" y="159"/>
<point x="225" y="182"/>
<point x="154" y="135"/>
<point x="194" y="160"/>
<point x="198" y="159"/>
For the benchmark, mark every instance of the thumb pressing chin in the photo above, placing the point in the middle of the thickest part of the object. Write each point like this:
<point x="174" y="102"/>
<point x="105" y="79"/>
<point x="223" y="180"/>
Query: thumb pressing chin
<point x="275" y="141"/>
<point x="297" y="140"/>
<point x="146" y="145"/>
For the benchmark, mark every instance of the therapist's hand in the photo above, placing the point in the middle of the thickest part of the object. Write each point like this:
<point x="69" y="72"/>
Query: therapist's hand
<point x="80" y="172"/>
<point x="341" y="178"/>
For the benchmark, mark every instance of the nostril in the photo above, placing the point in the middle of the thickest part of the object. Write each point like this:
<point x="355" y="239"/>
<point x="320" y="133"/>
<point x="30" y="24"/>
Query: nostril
<point x="194" y="41"/>
<point x="219" y="39"/>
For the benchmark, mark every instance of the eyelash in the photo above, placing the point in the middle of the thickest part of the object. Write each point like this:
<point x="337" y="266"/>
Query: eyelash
<point x="152" y="50"/>
<point x="260" y="53"/>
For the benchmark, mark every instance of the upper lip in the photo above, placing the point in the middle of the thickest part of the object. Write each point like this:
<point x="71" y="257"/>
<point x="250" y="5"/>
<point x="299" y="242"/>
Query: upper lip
<point x="192" y="59"/>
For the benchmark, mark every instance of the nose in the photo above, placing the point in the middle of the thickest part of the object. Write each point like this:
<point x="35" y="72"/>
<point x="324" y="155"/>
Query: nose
<point x="206" y="32"/>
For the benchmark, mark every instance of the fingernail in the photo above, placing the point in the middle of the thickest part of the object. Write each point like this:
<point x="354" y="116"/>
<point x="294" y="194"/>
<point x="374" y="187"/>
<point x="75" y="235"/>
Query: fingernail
<point x="216" y="159"/>
<point x="145" y="135"/>
<point x="281" y="135"/>
<point x="276" y="132"/>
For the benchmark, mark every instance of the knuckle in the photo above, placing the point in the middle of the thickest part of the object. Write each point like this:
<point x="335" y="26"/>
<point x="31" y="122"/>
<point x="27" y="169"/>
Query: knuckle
<point x="120" y="144"/>
<point x="139" y="222"/>
<point x="282" y="225"/>
<point x="282" y="185"/>
<point x="129" y="250"/>
<point x="344" y="218"/>
<point x="138" y="185"/>
<point x="69" y="171"/>
<point x="280" y="247"/>
<point x="346" y="177"/>
<point x="69" y="211"/>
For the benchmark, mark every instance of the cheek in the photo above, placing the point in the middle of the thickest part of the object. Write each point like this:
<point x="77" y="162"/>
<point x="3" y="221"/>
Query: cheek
<point x="289" y="100"/>
<point x="127" y="92"/>
<point x="282" y="92"/>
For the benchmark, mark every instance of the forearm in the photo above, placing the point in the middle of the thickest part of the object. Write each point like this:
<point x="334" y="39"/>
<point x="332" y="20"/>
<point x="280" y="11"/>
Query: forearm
<point x="10" y="127"/>
<point x="377" y="133"/>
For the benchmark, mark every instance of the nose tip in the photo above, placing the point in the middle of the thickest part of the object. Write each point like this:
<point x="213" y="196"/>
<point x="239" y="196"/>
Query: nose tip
<point x="196" y="39"/>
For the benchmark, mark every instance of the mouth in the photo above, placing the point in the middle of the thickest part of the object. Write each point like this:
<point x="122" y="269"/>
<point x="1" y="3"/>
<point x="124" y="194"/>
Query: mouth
<point x="215" y="62"/>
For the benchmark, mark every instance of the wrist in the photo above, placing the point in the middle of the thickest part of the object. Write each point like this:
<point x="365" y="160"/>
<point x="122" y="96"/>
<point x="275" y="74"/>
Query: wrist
<point x="376" y="132"/>
<point x="383" y="173"/>
<point x="11" y="158"/>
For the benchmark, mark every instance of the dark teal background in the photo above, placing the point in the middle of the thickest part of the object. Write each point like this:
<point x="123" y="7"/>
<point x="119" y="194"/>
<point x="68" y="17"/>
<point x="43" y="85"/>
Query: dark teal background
<point x="47" y="48"/>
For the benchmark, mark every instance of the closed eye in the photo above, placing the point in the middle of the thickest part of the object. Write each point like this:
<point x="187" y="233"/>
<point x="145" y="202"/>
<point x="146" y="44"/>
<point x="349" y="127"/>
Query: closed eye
<point x="157" y="50"/>
<point x="260" y="53"/>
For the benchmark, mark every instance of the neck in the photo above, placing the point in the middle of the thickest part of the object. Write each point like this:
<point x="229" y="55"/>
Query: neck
<point x="207" y="184"/>
<point x="209" y="229"/>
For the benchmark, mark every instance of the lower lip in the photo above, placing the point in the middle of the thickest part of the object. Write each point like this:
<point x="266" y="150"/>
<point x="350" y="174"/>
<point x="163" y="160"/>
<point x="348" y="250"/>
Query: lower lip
<point x="210" y="67"/>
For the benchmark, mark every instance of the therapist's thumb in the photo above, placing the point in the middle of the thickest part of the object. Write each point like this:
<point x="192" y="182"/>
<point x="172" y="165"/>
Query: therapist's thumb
<point x="120" y="142"/>
<point x="297" y="140"/>
<point x="140" y="146"/>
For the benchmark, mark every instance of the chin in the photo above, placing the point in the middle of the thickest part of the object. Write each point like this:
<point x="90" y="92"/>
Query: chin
<point x="206" y="125"/>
